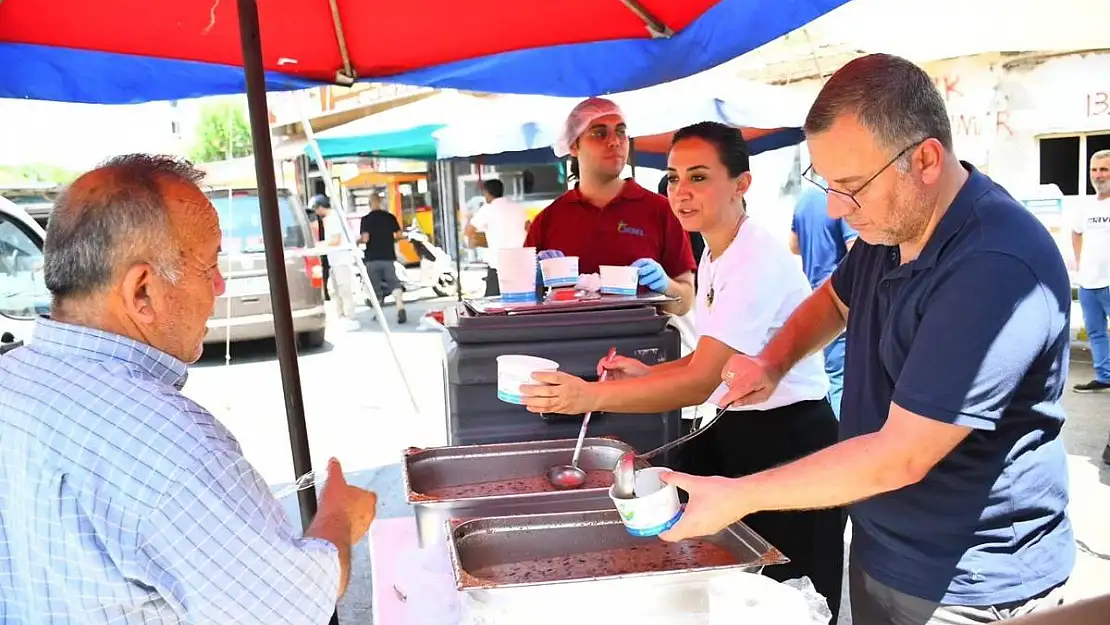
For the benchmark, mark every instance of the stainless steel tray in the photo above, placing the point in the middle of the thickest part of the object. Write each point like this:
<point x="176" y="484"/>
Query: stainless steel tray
<point x="479" y="543"/>
<point x="582" y="301"/>
<point x="423" y="470"/>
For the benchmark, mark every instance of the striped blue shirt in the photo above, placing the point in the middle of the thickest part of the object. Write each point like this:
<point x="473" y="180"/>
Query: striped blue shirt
<point x="122" y="501"/>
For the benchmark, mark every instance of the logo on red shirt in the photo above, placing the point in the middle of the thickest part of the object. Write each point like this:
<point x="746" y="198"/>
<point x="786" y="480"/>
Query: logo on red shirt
<point x="624" y="228"/>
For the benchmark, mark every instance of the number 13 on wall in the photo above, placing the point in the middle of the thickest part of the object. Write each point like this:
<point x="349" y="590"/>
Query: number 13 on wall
<point x="1098" y="104"/>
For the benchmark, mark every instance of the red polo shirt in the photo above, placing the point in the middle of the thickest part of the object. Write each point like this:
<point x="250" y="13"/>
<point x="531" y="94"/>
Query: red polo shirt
<point x="637" y="224"/>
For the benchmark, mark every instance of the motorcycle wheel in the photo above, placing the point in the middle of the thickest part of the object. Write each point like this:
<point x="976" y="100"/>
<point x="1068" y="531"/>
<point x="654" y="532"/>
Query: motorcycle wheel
<point x="445" y="286"/>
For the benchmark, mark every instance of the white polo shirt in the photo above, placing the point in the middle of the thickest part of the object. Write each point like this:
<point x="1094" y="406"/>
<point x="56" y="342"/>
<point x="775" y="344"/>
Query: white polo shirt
<point x="503" y="222"/>
<point x="1092" y="220"/>
<point x="756" y="285"/>
<point x="332" y="227"/>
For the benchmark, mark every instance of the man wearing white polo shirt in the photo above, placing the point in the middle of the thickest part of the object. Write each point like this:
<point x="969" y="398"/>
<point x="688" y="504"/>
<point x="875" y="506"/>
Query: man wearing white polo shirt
<point x="505" y="224"/>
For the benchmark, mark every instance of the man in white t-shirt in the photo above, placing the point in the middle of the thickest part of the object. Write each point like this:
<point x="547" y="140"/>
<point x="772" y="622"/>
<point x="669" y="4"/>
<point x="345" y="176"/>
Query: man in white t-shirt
<point x="342" y="273"/>
<point x="505" y="224"/>
<point x="1091" y="240"/>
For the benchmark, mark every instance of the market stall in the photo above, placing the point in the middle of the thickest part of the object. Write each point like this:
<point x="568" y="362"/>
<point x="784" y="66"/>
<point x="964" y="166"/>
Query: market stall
<point x="143" y="51"/>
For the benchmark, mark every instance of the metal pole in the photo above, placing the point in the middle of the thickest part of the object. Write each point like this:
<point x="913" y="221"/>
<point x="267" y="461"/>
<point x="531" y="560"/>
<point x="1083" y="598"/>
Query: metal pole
<point x="286" y="339"/>
<point x="459" y="232"/>
<point x="350" y="245"/>
<point x="632" y="156"/>
<point x="284" y="335"/>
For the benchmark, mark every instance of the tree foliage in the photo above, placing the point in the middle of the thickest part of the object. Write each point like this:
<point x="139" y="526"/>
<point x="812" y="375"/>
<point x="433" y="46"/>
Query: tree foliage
<point x="220" y="123"/>
<point x="35" y="173"/>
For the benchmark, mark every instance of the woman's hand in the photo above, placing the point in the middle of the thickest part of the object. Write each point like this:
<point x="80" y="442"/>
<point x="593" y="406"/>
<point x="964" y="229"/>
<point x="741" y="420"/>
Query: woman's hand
<point x="559" y="393"/>
<point x="622" y="368"/>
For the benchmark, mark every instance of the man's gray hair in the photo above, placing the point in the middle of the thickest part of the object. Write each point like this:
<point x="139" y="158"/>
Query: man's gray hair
<point x="99" y="227"/>
<point x="1101" y="154"/>
<point x="891" y="97"/>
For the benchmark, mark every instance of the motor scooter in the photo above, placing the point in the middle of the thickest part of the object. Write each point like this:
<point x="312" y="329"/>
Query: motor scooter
<point x="436" y="269"/>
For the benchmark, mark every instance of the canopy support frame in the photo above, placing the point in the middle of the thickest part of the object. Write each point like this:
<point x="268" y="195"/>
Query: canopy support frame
<point x="284" y="335"/>
<point x="346" y="76"/>
<point x="655" y="26"/>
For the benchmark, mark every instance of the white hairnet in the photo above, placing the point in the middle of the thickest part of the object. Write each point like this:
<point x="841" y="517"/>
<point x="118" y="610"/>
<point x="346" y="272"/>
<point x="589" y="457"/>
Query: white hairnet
<point x="583" y="115"/>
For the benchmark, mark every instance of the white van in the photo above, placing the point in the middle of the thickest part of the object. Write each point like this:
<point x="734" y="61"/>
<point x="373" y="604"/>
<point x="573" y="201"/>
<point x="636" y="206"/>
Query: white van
<point x="23" y="294"/>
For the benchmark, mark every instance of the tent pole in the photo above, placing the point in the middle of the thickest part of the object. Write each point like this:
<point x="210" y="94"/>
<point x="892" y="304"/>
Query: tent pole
<point x="284" y="335"/>
<point x="351" y="246"/>
<point x="632" y="156"/>
<point x="286" y="339"/>
<point x="459" y="232"/>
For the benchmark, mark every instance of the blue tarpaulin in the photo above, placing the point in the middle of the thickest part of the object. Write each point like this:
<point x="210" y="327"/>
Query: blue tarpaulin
<point x="50" y="72"/>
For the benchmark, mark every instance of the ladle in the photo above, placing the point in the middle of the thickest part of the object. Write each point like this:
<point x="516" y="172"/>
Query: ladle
<point x="624" y="474"/>
<point x="568" y="476"/>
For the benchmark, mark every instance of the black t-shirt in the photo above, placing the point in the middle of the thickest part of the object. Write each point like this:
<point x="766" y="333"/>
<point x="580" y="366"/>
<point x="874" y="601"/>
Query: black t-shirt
<point x="381" y="226"/>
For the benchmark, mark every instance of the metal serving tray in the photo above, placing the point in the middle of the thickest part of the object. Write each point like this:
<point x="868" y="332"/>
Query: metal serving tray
<point x="479" y="543"/>
<point x="424" y="470"/>
<point x="581" y="301"/>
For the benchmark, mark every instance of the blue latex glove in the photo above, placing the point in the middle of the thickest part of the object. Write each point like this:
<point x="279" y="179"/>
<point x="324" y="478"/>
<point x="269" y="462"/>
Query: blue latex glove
<point x="541" y="256"/>
<point x="652" y="274"/>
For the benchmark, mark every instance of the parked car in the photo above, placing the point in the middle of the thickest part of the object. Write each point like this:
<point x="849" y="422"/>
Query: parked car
<point x="35" y="198"/>
<point x="244" y="310"/>
<point x="23" y="294"/>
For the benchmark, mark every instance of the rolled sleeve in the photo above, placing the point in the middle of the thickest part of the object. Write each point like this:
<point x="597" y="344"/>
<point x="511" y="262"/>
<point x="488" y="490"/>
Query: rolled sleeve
<point x="1078" y="219"/>
<point x="843" y="276"/>
<point x="219" y="546"/>
<point x="983" y="327"/>
<point x="480" y="220"/>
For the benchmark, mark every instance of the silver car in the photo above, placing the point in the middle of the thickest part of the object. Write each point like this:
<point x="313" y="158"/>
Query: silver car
<point x="244" y="309"/>
<point x="23" y="294"/>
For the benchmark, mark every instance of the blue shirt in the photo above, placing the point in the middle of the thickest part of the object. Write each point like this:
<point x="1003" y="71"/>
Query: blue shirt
<point x="822" y="240"/>
<point x="975" y="333"/>
<point x="123" y="502"/>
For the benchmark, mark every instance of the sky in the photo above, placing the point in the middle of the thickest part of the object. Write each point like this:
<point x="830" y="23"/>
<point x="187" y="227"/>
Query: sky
<point x="77" y="136"/>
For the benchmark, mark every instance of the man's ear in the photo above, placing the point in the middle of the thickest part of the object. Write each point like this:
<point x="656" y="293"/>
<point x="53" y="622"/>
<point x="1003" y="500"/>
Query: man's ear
<point x="930" y="156"/>
<point x="137" y="292"/>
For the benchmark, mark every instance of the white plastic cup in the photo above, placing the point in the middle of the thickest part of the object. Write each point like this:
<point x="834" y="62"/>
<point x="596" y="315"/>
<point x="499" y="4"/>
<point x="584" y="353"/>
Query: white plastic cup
<point x="514" y="370"/>
<point x="619" y="280"/>
<point x="655" y="508"/>
<point x="516" y="273"/>
<point x="560" y="271"/>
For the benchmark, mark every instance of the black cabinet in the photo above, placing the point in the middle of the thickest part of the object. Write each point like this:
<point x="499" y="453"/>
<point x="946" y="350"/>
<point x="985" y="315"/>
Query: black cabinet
<point x="576" y="340"/>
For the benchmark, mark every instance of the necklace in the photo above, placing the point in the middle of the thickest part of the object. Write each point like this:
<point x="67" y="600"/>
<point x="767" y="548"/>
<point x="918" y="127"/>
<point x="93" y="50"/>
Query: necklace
<point x="712" y="293"/>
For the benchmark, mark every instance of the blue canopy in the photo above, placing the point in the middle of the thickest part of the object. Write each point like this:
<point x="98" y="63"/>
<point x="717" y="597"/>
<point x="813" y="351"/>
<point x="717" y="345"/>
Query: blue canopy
<point x="727" y="30"/>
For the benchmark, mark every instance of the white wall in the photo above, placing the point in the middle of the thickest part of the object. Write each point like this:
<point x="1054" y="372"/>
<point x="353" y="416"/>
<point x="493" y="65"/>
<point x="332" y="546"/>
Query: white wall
<point x="998" y="114"/>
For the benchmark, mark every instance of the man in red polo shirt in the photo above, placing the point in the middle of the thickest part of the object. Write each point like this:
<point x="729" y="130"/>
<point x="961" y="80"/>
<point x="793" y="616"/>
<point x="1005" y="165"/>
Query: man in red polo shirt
<point x="605" y="220"/>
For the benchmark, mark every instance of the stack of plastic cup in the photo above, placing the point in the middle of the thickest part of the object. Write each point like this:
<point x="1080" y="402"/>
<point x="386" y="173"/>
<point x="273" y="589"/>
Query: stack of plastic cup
<point x="516" y="274"/>
<point x="619" y="280"/>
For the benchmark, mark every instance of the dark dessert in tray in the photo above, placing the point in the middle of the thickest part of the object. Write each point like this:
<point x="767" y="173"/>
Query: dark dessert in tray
<point x="643" y="558"/>
<point x="517" y="486"/>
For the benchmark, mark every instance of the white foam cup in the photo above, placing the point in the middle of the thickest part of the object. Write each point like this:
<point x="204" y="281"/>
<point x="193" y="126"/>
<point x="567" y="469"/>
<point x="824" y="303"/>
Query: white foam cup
<point x="559" y="271"/>
<point x="655" y="507"/>
<point x="619" y="280"/>
<point x="516" y="273"/>
<point x="514" y="370"/>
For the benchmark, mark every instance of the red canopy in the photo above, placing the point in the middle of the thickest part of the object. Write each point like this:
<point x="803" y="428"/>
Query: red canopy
<point x="299" y="38"/>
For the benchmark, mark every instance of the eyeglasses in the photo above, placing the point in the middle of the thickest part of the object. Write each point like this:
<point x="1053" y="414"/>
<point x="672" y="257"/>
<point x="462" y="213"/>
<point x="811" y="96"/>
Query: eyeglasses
<point x="851" y="197"/>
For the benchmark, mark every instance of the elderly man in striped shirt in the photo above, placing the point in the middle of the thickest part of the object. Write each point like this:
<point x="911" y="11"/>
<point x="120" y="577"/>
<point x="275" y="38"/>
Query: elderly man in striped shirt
<point x="122" y="501"/>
